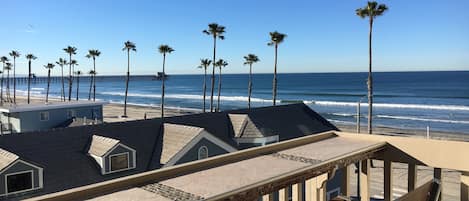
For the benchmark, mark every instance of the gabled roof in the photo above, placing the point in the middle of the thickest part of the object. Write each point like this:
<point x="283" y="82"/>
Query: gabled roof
<point x="175" y="138"/>
<point x="243" y="126"/>
<point x="6" y="158"/>
<point x="101" y="145"/>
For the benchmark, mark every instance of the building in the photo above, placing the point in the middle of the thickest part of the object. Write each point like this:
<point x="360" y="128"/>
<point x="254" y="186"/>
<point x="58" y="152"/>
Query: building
<point x="296" y="170"/>
<point x="78" y="156"/>
<point x="33" y="117"/>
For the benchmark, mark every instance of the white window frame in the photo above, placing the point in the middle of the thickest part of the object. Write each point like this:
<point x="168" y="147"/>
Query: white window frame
<point x="198" y="153"/>
<point x="15" y="173"/>
<point x="40" y="116"/>
<point x="71" y="113"/>
<point x="128" y="162"/>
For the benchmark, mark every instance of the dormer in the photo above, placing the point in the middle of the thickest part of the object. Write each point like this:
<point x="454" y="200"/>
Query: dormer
<point x="183" y="143"/>
<point x="248" y="132"/>
<point x="111" y="155"/>
<point x="18" y="176"/>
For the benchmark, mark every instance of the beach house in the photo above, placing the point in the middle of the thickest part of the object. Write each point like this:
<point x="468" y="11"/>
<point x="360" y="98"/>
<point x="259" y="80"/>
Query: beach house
<point x="33" y="117"/>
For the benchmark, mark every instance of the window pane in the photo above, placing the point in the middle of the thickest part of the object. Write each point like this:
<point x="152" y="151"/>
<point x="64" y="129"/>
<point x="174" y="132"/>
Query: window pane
<point x="119" y="162"/>
<point x="203" y="152"/>
<point x="19" y="182"/>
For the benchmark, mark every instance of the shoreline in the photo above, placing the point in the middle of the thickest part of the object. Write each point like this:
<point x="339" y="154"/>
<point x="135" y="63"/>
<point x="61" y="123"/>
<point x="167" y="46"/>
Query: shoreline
<point x="112" y="113"/>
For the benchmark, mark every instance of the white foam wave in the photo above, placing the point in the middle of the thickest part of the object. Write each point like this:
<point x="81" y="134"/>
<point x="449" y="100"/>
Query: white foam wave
<point x="37" y="88"/>
<point x="157" y="106"/>
<point x="344" y="114"/>
<point x="423" y="119"/>
<point x="393" y="105"/>
<point x="187" y="96"/>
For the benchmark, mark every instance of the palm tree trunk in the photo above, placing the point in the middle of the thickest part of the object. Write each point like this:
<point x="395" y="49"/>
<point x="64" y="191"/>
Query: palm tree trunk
<point x="205" y="85"/>
<point x="370" y="82"/>
<point x="63" y="83"/>
<point x="29" y="79"/>
<point x="78" y="84"/>
<point x="94" y="79"/>
<point x="8" y="86"/>
<point x="70" y="79"/>
<point x="274" y="88"/>
<point x="213" y="72"/>
<point x="127" y="83"/>
<point x="219" y="91"/>
<point x="48" y="85"/>
<point x="14" y="80"/>
<point x="1" y="83"/>
<point x="250" y="86"/>
<point x="162" y="88"/>
<point x="91" y="86"/>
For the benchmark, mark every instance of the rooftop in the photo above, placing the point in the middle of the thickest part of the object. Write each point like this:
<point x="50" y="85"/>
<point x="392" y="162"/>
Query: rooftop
<point x="49" y="106"/>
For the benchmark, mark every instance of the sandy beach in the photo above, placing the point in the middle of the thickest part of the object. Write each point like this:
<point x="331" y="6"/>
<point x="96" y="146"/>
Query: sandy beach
<point x="112" y="113"/>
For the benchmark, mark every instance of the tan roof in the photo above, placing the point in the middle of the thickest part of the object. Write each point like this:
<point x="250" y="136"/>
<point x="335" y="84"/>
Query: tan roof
<point x="243" y="126"/>
<point x="176" y="137"/>
<point x="6" y="158"/>
<point x="101" y="145"/>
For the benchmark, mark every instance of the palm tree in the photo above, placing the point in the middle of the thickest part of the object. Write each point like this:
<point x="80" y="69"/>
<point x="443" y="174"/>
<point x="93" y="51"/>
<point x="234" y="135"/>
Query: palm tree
<point x="4" y="60"/>
<point x="93" y="54"/>
<point x="204" y="63"/>
<point x="14" y="54"/>
<point x="70" y="50"/>
<point x="250" y="59"/>
<point x="8" y="68"/>
<point x="216" y="31"/>
<point x="275" y="39"/>
<point x="62" y="62"/>
<point x="78" y="73"/>
<point x="30" y="57"/>
<point x="92" y="73"/>
<point x="371" y="10"/>
<point x="220" y="63"/>
<point x="129" y="46"/>
<point x="49" y="67"/>
<point x="163" y="49"/>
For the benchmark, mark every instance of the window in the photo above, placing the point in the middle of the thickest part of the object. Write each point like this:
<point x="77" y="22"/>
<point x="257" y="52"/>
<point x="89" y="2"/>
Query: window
<point x="44" y="116"/>
<point x="119" y="161"/>
<point x="203" y="152"/>
<point x="71" y="113"/>
<point x="18" y="182"/>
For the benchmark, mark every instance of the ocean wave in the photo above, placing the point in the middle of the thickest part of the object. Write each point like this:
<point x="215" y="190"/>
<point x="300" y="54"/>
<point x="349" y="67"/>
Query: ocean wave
<point x="392" y="105"/>
<point x="344" y="114"/>
<point x="341" y="122"/>
<point x="187" y="96"/>
<point x="157" y="106"/>
<point x="37" y="88"/>
<point x="422" y="119"/>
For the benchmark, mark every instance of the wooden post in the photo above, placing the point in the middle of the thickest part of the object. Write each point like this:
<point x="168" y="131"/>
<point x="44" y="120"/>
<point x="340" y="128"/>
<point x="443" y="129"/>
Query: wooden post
<point x="411" y="177"/>
<point x="464" y="186"/>
<point x="268" y="197"/>
<point x="345" y="188"/>
<point x="310" y="190"/>
<point x="388" y="180"/>
<point x="283" y="194"/>
<point x="297" y="192"/>
<point x="364" y="180"/>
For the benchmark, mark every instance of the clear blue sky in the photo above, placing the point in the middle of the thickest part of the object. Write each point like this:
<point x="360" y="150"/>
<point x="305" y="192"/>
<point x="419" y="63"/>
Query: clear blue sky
<point x="323" y="36"/>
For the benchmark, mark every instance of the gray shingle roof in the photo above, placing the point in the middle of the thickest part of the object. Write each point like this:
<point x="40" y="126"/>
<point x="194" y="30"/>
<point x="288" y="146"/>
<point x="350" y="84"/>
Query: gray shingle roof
<point x="6" y="158"/>
<point x="101" y="145"/>
<point x="244" y="127"/>
<point x="176" y="137"/>
<point x="63" y="152"/>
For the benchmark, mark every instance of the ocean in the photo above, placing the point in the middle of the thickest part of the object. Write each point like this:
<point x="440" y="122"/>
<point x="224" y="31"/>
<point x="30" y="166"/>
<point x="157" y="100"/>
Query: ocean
<point x="411" y="100"/>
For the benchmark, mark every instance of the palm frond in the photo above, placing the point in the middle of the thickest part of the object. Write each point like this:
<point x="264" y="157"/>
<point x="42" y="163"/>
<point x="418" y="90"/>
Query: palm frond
<point x="4" y="59"/>
<point x="129" y="46"/>
<point x="276" y="38"/>
<point x="31" y="57"/>
<point x="70" y="50"/>
<point x="163" y="49"/>
<point x="49" y="66"/>
<point x="15" y="54"/>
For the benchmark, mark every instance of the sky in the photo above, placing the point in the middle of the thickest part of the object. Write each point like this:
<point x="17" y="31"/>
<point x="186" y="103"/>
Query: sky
<point x="322" y="35"/>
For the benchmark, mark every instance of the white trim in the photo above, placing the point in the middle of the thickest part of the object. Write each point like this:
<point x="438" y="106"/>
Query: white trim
<point x="15" y="173"/>
<point x="198" y="152"/>
<point x="20" y="161"/>
<point x="194" y="141"/>
<point x="44" y="112"/>
<point x="51" y="106"/>
<point x="120" y="170"/>
<point x="258" y="140"/>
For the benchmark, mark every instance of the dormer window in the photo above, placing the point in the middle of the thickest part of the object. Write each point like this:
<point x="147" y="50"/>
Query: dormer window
<point x="111" y="155"/>
<point x="18" y="176"/>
